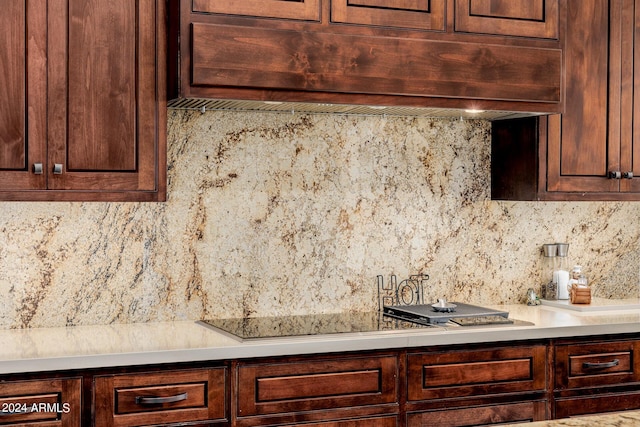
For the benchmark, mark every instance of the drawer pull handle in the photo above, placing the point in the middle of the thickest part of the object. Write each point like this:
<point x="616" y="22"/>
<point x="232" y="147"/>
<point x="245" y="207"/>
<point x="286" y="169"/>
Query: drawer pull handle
<point x="16" y="412"/>
<point x="147" y="400"/>
<point x="604" y="365"/>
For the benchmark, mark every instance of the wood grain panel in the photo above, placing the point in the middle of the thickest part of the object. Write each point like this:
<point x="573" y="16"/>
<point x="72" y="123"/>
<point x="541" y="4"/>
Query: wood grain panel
<point x="461" y="374"/>
<point x="476" y="373"/>
<point x="522" y="18"/>
<point x="58" y="402"/>
<point x="319" y="385"/>
<point x="409" y="14"/>
<point x="480" y="415"/>
<point x="13" y="87"/>
<point x="273" y="388"/>
<point x="571" y="373"/>
<point x="102" y="85"/>
<point x="271" y="58"/>
<point x="532" y="10"/>
<point x="114" y="397"/>
<point x="290" y="9"/>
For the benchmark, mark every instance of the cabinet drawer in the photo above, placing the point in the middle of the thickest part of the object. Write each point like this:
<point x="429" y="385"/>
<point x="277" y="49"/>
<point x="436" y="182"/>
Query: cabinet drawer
<point x="480" y="415"/>
<point x="167" y="397"/>
<point x="272" y="388"/>
<point x="363" y="422"/>
<point x="592" y="405"/>
<point x="597" y="364"/>
<point x="475" y="373"/>
<point x="46" y="403"/>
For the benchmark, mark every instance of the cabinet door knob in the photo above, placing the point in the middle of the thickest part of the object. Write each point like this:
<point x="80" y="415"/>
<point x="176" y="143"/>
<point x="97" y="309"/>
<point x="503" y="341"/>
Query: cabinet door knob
<point x="37" y="168"/>
<point x="615" y="175"/>
<point x="628" y="175"/>
<point x="57" y="169"/>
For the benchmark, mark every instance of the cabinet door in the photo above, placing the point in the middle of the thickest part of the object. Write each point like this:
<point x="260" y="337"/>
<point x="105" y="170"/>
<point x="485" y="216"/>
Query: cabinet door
<point x="104" y="82"/>
<point x="23" y="93"/>
<point x="415" y="14"/>
<point x="290" y="9"/>
<point x="526" y="18"/>
<point x="630" y="151"/>
<point x="584" y="144"/>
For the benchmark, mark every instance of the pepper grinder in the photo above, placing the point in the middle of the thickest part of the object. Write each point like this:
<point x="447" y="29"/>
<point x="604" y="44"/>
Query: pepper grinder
<point x="549" y="288"/>
<point x="561" y="272"/>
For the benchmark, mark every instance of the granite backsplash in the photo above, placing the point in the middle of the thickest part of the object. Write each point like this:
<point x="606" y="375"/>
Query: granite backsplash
<point x="289" y="214"/>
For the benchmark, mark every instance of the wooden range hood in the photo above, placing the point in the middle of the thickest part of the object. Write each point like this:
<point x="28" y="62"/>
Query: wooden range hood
<point x="488" y="59"/>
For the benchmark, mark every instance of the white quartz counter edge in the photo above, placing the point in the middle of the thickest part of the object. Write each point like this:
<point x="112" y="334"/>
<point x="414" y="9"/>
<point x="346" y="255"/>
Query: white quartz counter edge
<point x="81" y="347"/>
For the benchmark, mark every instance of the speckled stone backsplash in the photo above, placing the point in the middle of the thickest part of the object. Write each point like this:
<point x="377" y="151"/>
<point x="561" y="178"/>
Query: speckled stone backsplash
<point x="288" y="214"/>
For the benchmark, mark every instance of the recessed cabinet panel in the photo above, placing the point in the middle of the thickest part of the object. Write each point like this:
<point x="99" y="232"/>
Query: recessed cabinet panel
<point x="525" y="18"/>
<point x="102" y="125"/>
<point x="415" y="14"/>
<point x="13" y="50"/>
<point x="290" y="9"/>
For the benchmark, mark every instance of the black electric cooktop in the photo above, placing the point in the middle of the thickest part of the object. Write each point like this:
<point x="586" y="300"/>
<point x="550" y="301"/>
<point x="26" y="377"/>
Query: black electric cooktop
<point x="316" y="324"/>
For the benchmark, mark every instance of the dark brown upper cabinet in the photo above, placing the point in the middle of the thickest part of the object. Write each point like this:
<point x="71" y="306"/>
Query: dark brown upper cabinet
<point x="591" y="151"/>
<point x="407" y="53"/>
<point x="86" y="118"/>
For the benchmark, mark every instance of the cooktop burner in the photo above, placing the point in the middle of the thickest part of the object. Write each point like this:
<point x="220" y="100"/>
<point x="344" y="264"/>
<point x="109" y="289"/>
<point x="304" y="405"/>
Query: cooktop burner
<point x="289" y="326"/>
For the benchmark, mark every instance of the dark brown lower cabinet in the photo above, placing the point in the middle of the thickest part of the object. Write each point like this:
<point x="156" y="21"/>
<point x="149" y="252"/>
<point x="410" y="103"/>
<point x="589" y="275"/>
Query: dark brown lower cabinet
<point x="596" y="376"/>
<point x="443" y="386"/>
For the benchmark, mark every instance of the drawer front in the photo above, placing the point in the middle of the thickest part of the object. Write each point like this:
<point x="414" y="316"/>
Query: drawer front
<point x="597" y="364"/>
<point x="45" y="403"/>
<point x="160" y="397"/>
<point x="476" y="373"/>
<point x="408" y="14"/>
<point x="480" y="415"/>
<point x="273" y="388"/>
<point x="364" y="422"/>
<point x="592" y="405"/>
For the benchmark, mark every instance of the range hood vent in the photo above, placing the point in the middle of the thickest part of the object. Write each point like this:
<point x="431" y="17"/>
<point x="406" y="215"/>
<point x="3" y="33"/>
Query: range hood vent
<point x="204" y="104"/>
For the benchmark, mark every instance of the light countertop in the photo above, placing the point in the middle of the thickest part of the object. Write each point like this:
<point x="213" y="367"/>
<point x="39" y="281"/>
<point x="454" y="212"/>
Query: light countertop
<point x="51" y="349"/>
